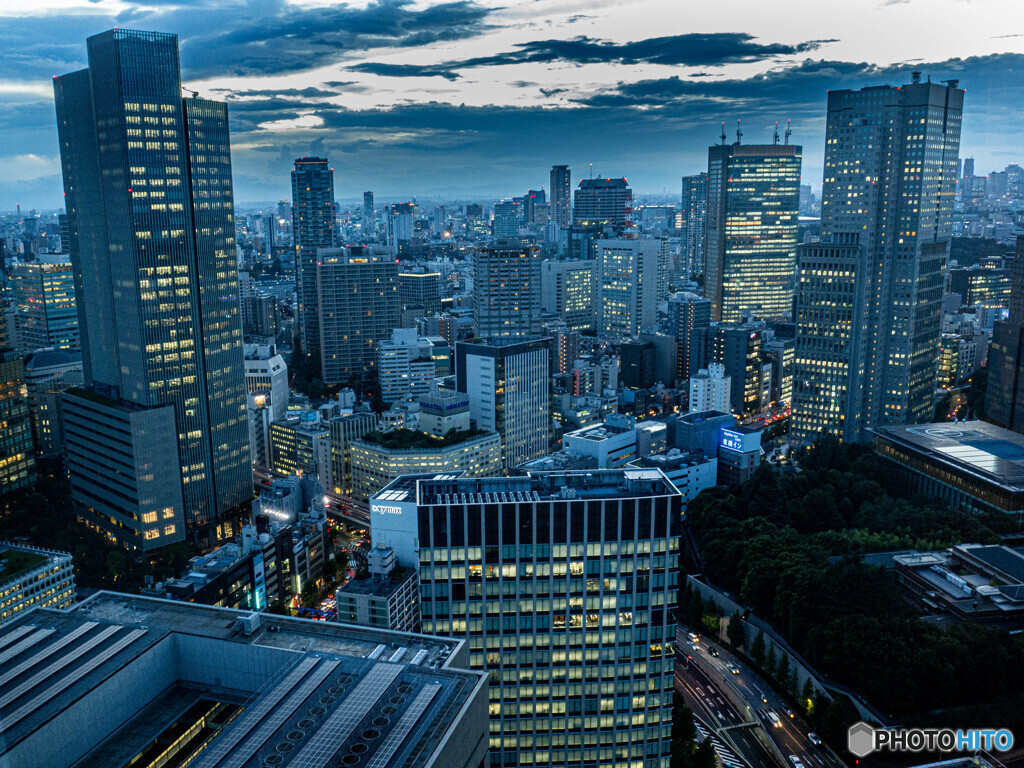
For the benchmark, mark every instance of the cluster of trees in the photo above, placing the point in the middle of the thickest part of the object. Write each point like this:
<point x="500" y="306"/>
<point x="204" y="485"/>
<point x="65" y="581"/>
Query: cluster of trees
<point x="687" y="752"/>
<point x="790" y="548"/>
<point x="968" y="251"/>
<point x="44" y="516"/>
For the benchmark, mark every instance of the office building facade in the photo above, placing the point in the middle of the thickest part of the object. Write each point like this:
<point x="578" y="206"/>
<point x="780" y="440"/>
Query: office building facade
<point x="627" y="286"/>
<point x="34" y="577"/>
<point x="891" y="163"/>
<point x="687" y="314"/>
<point x="561" y="199"/>
<point x="693" y="234"/>
<point x="358" y="299"/>
<point x="507" y="288"/>
<point x="313" y="227"/>
<point x="604" y="205"/>
<point x="508" y="384"/>
<point x="420" y="289"/>
<point x="17" y="461"/>
<point x="159" y="322"/>
<point x="44" y="292"/>
<point x="563" y="585"/>
<point x="753" y="203"/>
<point x="1004" y="394"/>
<point x="568" y="290"/>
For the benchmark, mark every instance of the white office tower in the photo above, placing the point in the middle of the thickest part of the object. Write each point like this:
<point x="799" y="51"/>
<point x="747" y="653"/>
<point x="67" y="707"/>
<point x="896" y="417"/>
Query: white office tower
<point x="709" y="390"/>
<point x="627" y="286"/>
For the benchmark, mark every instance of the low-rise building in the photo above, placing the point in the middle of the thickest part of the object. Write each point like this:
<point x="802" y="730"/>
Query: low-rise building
<point x="378" y="458"/>
<point x="389" y="598"/>
<point x="31" y="577"/>
<point x="301" y="445"/>
<point x="690" y="471"/>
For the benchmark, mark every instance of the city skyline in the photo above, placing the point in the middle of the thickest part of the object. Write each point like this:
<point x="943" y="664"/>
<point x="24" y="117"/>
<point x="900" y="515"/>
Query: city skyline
<point x="501" y="98"/>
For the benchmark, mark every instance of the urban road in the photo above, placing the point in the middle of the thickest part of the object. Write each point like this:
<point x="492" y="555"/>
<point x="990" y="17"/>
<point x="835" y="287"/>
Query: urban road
<point x="734" y="705"/>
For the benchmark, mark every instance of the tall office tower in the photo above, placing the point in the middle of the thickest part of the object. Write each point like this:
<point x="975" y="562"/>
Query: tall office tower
<point x="508" y="216"/>
<point x="508" y="381"/>
<point x="693" y="252"/>
<point x="604" y="205"/>
<point x="833" y="281"/>
<point x="968" y="168"/>
<point x="533" y="199"/>
<point x="567" y="289"/>
<point x="687" y="314"/>
<point x="17" y="460"/>
<point x="738" y="349"/>
<point x="506" y="284"/>
<point x="369" y="216"/>
<point x="890" y="174"/>
<point x="44" y="293"/>
<point x="561" y="196"/>
<point x="313" y="215"/>
<point x="1004" y="396"/>
<point x="400" y="227"/>
<point x="710" y="390"/>
<point x="565" y="347"/>
<point x="573" y="623"/>
<point x="637" y="361"/>
<point x="627" y="286"/>
<point x="753" y="207"/>
<point x="358" y="299"/>
<point x="420" y="289"/>
<point x="156" y="278"/>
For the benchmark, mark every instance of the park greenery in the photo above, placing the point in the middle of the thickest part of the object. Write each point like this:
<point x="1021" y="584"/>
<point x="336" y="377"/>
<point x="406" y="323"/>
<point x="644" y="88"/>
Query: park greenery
<point x="969" y="251"/>
<point x="790" y="548"/>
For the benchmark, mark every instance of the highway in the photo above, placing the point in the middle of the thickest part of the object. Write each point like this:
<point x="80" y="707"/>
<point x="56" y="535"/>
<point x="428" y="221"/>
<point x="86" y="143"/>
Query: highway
<point x="704" y="682"/>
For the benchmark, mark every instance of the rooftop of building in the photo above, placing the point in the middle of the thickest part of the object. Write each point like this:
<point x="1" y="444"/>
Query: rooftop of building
<point x="311" y="690"/>
<point x="977" y="448"/>
<point x="51" y="358"/>
<point x="411" y="440"/>
<point x="560" y="460"/>
<point x="599" y="432"/>
<point x="376" y="586"/>
<point x="17" y="560"/>
<point x="672" y="459"/>
<point x="533" y="486"/>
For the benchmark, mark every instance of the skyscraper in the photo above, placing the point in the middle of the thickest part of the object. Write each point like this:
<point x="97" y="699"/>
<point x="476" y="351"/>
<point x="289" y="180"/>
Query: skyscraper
<point x="369" y="216"/>
<point x="508" y="216"/>
<point x="313" y="228"/>
<point x="753" y="204"/>
<point x="829" y="360"/>
<point x="45" y="294"/>
<point x="891" y="159"/>
<point x="687" y="314"/>
<point x="561" y="200"/>
<point x="604" y="205"/>
<point x="627" y="286"/>
<point x="1004" y="396"/>
<point x="358" y="299"/>
<point x="694" y="214"/>
<point x="567" y="289"/>
<point x="153" y="251"/>
<point x="563" y="583"/>
<point x="17" y="461"/>
<point x="508" y="382"/>
<point x="507" y="287"/>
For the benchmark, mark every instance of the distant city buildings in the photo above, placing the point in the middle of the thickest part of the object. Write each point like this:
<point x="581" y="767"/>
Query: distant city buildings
<point x="313" y="228"/>
<point x="560" y="191"/>
<point x="45" y="296"/>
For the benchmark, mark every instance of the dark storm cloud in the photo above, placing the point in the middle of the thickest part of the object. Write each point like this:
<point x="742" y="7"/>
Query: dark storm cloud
<point x="695" y="49"/>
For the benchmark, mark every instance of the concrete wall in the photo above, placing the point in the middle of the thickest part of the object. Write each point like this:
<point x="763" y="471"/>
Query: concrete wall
<point x="466" y="743"/>
<point x="222" y="663"/>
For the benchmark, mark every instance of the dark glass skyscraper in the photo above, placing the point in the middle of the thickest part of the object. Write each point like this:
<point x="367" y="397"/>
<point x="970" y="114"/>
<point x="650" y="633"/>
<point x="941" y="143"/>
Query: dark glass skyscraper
<point x="147" y="179"/>
<point x="313" y="213"/>
<point x="694" y="221"/>
<point x="561" y="200"/>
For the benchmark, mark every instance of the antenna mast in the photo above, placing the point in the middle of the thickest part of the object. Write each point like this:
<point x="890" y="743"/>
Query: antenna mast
<point x="789" y="131"/>
<point x="775" y="136"/>
<point x="739" y="133"/>
<point x="722" y="137"/>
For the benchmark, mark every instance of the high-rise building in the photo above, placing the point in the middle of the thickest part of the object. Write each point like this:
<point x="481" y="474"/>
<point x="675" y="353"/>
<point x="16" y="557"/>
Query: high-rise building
<point x="891" y="158"/>
<point x="738" y="349"/>
<point x="507" y="287"/>
<point x="508" y="383"/>
<point x="44" y="292"/>
<point x="627" y="286"/>
<point x="420" y="289"/>
<point x="637" y="360"/>
<point x="753" y="205"/>
<point x="17" y="461"/>
<point x="604" y="205"/>
<point x="508" y="216"/>
<point x="358" y="298"/>
<point x="829" y="353"/>
<point x="313" y="227"/>
<point x="687" y="314"/>
<point x="710" y="390"/>
<point x="48" y="372"/>
<point x="153" y="252"/>
<point x="408" y="363"/>
<point x="400" y="227"/>
<point x="535" y="199"/>
<point x="573" y="622"/>
<point x="1004" y="396"/>
<point x="561" y="200"/>
<point x="694" y="221"/>
<point x="567" y="289"/>
<point x="369" y="216"/>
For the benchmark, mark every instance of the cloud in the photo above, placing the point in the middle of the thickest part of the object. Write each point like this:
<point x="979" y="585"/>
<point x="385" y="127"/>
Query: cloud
<point x="694" y="49"/>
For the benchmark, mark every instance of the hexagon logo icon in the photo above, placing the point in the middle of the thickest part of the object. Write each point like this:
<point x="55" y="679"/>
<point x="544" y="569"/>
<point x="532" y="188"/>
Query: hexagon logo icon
<point x="860" y="739"/>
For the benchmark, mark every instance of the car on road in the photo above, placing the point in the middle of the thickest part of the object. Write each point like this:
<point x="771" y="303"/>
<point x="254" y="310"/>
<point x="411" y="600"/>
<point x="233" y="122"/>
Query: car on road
<point x="814" y="738"/>
<point x="733" y="668"/>
<point x="791" y="713"/>
<point x="764" y="698"/>
<point x="693" y="646"/>
<point x="773" y="719"/>
<point x="694" y="637"/>
<point x="713" y="651"/>
<point x="796" y="761"/>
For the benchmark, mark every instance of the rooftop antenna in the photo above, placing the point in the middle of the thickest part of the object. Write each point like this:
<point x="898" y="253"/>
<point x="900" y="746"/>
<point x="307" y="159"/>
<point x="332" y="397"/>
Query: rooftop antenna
<point x="789" y="131"/>
<point x="591" y="171"/>
<point x="915" y="76"/>
<point x="195" y="94"/>
<point x="739" y="133"/>
<point x="722" y="137"/>
<point x="775" y="136"/>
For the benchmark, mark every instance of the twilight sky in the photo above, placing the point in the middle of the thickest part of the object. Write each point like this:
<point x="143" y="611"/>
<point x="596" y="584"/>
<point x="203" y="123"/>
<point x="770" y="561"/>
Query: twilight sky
<point x="477" y="98"/>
